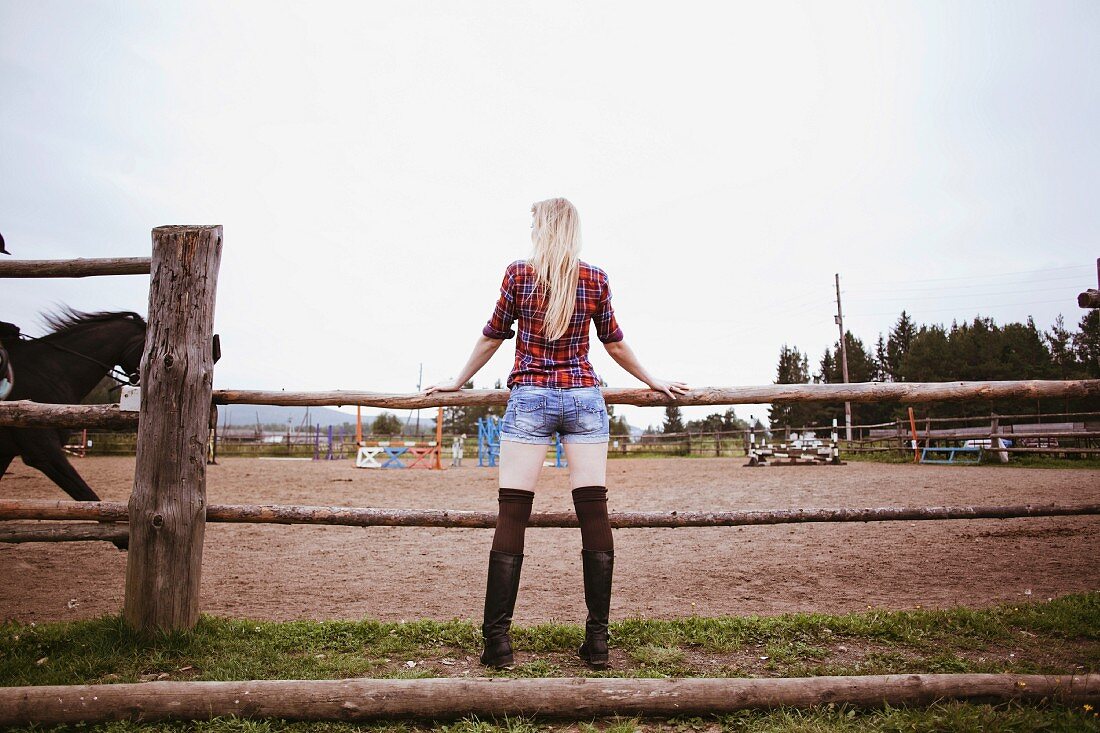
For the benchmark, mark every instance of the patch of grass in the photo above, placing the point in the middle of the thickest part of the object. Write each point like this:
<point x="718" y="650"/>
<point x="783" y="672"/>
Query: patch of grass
<point x="1062" y="635"/>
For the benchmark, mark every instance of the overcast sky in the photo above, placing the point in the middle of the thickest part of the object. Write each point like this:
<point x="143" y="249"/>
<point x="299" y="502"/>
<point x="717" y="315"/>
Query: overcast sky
<point x="373" y="165"/>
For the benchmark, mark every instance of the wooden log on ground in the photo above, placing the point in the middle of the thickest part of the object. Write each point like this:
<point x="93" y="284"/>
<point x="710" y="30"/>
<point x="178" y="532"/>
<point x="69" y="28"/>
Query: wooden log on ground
<point x="14" y="509"/>
<point x="167" y="507"/>
<point x="79" y="267"/>
<point x="73" y="532"/>
<point x="455" y="697"/>
<point x="908" y="392"/>
<point x="27" y="414"/>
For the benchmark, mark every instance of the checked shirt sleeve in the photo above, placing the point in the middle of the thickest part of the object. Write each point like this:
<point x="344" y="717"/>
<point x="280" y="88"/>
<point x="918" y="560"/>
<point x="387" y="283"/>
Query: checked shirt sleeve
<point x="607" y="328"/>
<point x="500" y="323"/>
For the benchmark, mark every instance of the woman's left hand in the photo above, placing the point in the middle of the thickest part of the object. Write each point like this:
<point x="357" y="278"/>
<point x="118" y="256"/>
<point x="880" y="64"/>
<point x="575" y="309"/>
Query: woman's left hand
<point x="444" y="387"/>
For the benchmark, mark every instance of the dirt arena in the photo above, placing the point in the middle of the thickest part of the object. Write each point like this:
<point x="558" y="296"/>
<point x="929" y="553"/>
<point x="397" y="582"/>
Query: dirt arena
<point x="299" y="572"/>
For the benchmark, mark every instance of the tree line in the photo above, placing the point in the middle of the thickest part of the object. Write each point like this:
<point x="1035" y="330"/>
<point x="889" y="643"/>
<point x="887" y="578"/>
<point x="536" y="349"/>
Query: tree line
<point x="977" y="350"/>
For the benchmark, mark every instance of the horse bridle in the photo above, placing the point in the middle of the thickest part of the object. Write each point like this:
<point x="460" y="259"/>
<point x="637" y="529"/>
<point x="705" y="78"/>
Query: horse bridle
<point x="118" y="374"/>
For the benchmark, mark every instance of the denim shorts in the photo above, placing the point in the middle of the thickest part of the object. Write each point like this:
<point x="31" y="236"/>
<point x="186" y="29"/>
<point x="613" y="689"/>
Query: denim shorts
<point x="534" y="414"/>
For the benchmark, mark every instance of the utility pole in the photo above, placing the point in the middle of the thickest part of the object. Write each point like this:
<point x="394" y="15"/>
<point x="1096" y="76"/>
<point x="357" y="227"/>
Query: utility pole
<point x="843" y="362"/>
<point x="419" y="383"/>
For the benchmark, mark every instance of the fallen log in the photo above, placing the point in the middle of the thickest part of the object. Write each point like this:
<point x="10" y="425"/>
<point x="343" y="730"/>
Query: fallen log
<point x="580" y="698"/>
<point x="79" y="267"/>
<point x="16" y="509"/>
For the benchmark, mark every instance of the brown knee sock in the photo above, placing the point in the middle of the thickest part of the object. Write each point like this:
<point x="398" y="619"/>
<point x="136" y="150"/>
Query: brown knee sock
<point x="512" y="516"/>
<point x="591" y="505"/>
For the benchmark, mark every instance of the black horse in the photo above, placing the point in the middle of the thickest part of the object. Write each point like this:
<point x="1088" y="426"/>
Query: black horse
<point x="62" y="367"/>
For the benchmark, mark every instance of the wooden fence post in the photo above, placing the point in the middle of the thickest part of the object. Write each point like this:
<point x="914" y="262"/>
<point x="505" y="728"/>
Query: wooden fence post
<point x="167" y="508"/>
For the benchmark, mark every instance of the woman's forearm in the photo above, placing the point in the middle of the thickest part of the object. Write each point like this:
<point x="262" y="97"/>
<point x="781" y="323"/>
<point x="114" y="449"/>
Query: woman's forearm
<point x="625" y="357"/>
<point x="483" y="351"/>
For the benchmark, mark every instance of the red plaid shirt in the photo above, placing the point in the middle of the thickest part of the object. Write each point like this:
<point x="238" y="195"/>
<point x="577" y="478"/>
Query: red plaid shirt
<point x="562" y="363"/>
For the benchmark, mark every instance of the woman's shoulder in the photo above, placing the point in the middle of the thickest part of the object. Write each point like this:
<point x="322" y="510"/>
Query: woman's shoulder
<point x="591" y="272"/>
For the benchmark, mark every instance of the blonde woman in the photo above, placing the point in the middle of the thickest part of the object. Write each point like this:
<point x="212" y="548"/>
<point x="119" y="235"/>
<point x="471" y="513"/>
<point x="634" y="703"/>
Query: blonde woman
<point x="552" y="298"/>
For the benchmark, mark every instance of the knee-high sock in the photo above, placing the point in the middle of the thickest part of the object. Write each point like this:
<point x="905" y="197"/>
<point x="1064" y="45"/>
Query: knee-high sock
<point x="591" y="505"/>
<point x="512" y="516"/>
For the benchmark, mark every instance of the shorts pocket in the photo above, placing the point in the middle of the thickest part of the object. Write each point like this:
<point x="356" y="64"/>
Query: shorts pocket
<point x="529" y="412"/>
<point x="591" y="413"/>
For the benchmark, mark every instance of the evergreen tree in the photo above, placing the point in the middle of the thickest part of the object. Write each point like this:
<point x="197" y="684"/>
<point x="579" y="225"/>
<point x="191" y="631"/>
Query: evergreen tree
<point x="674" y="422"/>
<point x="386" y="424"/>
<point x="619" y="426"/>
<point x="1086" y="343"/>
<point x="898" y="345"/>
<point x="879" y="373"/>
<point x="793" y="368"/>
<point x="718" y="423"/>
<point x="1060" y="343"/>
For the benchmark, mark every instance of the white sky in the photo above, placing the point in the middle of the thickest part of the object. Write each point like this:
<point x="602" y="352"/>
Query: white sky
<point x="373" y="165"/>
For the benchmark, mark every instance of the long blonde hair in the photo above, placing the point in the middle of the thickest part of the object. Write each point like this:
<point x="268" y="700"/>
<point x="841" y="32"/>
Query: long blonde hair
<point x="556" y="234"/>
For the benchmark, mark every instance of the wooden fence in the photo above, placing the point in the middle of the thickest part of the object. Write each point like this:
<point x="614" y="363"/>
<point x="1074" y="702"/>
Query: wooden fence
<point x="167" y="510"/>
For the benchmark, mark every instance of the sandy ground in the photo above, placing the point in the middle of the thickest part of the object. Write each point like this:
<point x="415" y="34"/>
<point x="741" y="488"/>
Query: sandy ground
<point x="299" y="572"/>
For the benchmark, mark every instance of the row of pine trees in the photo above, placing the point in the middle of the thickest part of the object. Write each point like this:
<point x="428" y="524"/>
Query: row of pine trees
<point x="978" y="350"/>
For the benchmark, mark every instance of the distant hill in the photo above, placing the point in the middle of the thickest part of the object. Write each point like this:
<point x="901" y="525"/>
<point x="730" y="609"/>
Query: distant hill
<point x="249" y="415"/>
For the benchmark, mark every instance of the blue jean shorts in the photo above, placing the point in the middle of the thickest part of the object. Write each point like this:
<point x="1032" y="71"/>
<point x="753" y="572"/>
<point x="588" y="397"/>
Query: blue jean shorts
<point x="534" y="414"/>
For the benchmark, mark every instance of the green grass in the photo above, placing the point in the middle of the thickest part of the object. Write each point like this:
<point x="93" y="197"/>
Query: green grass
<point x="940" y="718"/>
<point x="1060" y="636"/>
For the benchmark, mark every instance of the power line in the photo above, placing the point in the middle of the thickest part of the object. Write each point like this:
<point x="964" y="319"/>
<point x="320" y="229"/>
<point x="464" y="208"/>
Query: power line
<point x="1074" y="278"/>
<point x="1062" y="288"/>
<point x="986" y="275"/>
<point x="957" y="308"/>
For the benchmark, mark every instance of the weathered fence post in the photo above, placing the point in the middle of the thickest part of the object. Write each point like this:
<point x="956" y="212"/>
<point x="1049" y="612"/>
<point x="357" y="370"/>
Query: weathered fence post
<point x="167" y="508"/>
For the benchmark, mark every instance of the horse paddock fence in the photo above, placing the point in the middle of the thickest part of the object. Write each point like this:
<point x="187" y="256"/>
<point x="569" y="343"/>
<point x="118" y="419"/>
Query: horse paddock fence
<point x="166" y="515"/>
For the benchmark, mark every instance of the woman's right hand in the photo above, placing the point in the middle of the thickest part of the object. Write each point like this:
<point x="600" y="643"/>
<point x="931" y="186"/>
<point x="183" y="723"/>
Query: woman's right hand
<point x="444" y="387"/>
<point x="669" y="388"/>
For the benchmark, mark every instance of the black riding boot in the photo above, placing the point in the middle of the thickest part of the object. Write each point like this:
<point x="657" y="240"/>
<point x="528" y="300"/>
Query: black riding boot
<point x="597" y="596"/>
<point x="500" y="602"/>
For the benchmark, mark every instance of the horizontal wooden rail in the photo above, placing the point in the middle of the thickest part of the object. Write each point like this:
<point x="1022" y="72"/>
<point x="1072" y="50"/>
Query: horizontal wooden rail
<point x="65" y="532"/>
<point x="75" y="268"/>
<point x="907" y="392"/>
<point x="31" y="509"/>
<point x="1061" y="449"/>
<point x="26" y="414"/>
<point x="29" y="414"/>
<point x="456" y="697"/>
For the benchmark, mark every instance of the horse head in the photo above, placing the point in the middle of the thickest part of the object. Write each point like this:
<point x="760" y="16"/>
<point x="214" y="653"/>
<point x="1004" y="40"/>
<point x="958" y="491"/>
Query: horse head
<point x="130" y="359"/>
<point x="111" y="339"/>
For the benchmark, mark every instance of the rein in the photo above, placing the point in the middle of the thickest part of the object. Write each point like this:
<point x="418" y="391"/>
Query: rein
<point x="113" y="371"/>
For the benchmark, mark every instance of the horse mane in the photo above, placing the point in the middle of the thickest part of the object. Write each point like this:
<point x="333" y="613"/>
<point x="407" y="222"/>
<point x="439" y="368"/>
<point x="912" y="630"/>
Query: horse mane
<point x="67" y="319"/>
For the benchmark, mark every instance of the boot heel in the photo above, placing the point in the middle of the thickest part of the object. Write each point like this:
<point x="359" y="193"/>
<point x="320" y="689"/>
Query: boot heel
<point x="498" y="653"/>
<point x="594" y="654"/>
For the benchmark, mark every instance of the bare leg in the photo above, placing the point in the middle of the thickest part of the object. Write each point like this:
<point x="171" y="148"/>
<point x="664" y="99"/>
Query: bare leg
<point x="521" y="464"/>
<point x="587" y="464"/>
